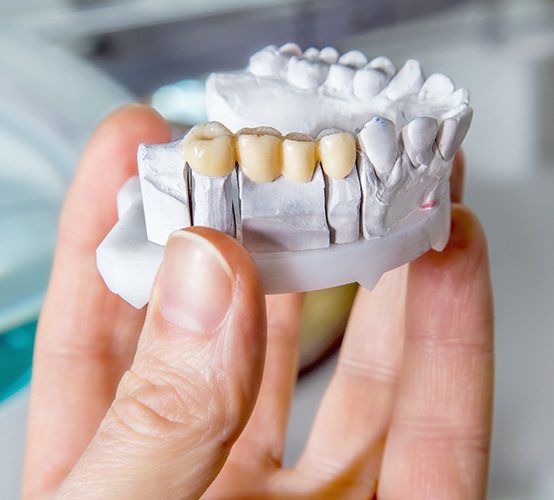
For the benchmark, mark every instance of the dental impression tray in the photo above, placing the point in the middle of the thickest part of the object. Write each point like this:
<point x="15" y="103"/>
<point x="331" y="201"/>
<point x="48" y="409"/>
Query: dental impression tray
<point x="329" y="169"/>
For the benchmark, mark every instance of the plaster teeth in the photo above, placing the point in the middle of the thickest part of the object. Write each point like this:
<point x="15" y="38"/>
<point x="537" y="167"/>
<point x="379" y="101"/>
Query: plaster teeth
<point x="299" y="157"/>
<point x="267" y="62"/>
<point x="353" y="58"/>
<point x="291" y="49"/>
<point x="437" y="86"/>
<point x="454" y="101"/>
<point x="383" y="64"/>
<point x="209" y="150"/>
<point x="369" y="82"/>
<point x="259" y="153"/>
<point x="419" y="136"/>
<point x="340" y="77"/>
<point x="378" y="141"/>
<point x="408" y="80"/>
<point x="329" y="54"/>
<point x="306" y="75"/>
<point x="312" y="54"/>
<point x="337" y="153"/>
<point x="452" y="133"/>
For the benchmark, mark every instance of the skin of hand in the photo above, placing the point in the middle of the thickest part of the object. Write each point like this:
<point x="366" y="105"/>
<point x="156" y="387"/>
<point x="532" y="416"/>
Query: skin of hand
<point x="191" y="397"/>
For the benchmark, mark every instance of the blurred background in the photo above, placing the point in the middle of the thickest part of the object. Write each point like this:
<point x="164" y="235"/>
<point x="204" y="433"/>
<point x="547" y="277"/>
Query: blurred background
<point x="64" y="64"/>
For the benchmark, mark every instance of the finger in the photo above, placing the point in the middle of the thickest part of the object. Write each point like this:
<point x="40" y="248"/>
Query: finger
<point x="438" y="443"/>
<point x="348" y="434"/>
<point x="457" y="178"/>
<point x="193" y="383"/>
<point x="86" y="336"/>
<point x="366" y="379"/>
<point x="264" y="436"/>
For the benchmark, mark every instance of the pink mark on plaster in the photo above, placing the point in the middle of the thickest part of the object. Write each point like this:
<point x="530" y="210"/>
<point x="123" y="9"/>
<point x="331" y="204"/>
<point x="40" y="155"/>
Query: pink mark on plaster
<point x="430" y="204"/>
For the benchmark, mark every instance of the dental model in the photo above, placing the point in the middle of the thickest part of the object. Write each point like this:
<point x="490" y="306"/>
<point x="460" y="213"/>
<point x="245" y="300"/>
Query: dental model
<point x="329" y="169"/>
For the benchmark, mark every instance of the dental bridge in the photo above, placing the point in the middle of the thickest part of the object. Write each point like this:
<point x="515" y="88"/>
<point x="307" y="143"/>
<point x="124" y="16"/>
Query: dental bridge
<point x="337" y="171"/>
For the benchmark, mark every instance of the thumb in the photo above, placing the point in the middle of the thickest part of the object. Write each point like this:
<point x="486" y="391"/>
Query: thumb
<point x="194" y="380"/>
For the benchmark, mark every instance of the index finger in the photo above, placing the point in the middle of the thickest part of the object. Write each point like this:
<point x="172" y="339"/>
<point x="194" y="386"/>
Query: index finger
<point x="86" y="336"/>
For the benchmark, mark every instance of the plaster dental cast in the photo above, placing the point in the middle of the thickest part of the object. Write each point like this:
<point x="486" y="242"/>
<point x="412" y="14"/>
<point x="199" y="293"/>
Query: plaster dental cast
<point x="314" y="161"/>
<point x="314" y="169"/>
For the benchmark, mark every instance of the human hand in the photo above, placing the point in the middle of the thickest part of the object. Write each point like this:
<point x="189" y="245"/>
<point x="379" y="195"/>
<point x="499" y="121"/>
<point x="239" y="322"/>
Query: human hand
<point x="162" y="404"/>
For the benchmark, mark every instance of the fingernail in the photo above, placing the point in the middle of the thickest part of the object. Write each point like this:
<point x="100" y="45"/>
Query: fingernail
<point x="196" y="283"/>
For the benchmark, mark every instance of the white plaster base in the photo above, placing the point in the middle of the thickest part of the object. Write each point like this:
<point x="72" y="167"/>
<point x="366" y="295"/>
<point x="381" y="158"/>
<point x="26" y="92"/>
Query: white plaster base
<point x="128" y="262"/>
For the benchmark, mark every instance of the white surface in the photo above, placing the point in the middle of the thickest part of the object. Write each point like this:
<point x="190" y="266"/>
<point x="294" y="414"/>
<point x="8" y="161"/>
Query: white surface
<point x="128" y="262"/>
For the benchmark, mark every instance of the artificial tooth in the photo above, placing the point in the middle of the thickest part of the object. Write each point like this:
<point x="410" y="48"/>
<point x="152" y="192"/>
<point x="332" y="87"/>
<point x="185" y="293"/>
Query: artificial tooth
<point x="369" y="82"/>
<point x="329" y="54"/>
<point x="267" y="62"/>
<point x="340" y="77"/>
<point x="306" y="75"/>
<point x="419" y="136"/>
<point x="209" y="149"/>
<point x="452" y="133"/>
<point x="378" y="141"/>
<point x="437" y="86"/>
<point x="408" y="80"/>
<point x="353" y="58"/>
<point x="458" y="99"/>
<point x="312" y="54"/>
<point x="259" y="153"/>
<point x="383" y="64"/>
<point x="291" y="49"/>
<point x="299" y="157"/>
<point x="337" y="153"/>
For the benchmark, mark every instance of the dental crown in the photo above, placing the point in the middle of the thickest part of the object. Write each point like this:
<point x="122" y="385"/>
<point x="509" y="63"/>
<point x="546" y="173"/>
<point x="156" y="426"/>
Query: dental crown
<point x="308" y="149"/>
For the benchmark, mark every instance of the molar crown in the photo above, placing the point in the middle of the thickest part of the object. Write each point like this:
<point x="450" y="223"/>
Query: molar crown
<point x="383" y="64"/>
<point x="329" y="54"/>
<point x="209" y="149"/>
<point x="267" y="62"/>
<point x="340" y="77"/>
<point x="369" y="81"/>
<point x="353" y="58"/>
<point x="290" y="49"/>
<point x="305" y="74"/>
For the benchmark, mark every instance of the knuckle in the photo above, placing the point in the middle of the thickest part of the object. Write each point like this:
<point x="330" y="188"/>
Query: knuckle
<point x="150" y="411"/>
<point x="166" y="406"/>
